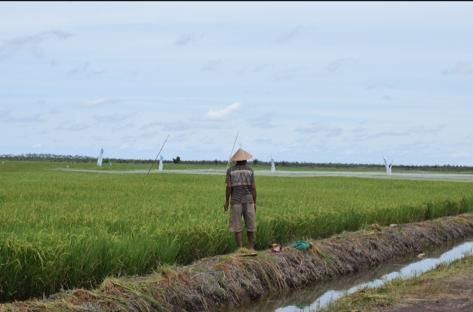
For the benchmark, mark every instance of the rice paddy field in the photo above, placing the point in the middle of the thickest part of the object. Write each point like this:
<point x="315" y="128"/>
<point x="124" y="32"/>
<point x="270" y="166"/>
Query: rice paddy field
<point x="60" y="230"/>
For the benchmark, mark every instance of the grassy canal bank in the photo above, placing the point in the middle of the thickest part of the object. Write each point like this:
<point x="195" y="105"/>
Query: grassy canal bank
<point x="232" y="280"/>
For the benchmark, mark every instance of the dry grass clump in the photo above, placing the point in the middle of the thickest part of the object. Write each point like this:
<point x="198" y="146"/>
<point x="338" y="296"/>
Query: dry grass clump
<point x="232" y="280"/>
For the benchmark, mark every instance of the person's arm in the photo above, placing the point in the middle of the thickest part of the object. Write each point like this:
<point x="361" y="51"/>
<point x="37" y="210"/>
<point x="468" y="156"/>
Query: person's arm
<point x="253" y="191"/>
<point x="228" y="190"/>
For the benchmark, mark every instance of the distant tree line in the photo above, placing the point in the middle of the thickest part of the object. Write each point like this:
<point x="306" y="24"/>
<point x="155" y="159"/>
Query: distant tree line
<point x="75" y="158"/>
<point x="284" y="164"/>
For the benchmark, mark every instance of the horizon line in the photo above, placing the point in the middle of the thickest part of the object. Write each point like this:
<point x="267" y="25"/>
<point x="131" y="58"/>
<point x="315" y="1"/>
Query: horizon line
<point x="86" y="157"/>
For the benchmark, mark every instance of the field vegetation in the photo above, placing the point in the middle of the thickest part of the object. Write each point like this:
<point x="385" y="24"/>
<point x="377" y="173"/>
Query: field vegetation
<point x="68" y="229"/>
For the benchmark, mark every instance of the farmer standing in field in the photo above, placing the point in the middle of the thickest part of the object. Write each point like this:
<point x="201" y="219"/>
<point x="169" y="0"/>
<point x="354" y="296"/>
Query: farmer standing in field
<point x="241" y="187"/>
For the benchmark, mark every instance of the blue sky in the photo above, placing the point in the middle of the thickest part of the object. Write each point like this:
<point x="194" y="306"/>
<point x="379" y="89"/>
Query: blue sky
<point x="319" y="82"/>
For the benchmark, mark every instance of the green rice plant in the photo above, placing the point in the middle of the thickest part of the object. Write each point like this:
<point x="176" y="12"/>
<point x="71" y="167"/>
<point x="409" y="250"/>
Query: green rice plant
<point x="69" y="229"/>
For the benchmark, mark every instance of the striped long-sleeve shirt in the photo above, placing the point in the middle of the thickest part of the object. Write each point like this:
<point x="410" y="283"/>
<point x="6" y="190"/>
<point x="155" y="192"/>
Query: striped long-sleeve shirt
<point x="241" y="179"/>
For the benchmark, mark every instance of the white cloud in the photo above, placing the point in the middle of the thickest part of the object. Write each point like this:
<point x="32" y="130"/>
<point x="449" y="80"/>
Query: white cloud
<point x="224" y="113"/>
<point x="337" y="64"/>
<point x="212" y="65"/>
<point x="97" y="102"/>
<point x="460" y="155"/>
<point x="322" y="130"/>
<point x="7" y="117"/>
<point x="114" y="118"/>
<point x="187" y="39"/>
<point x="288" y="36"/>
<point x="73" y="127"/>
<point x="460" y="69"/>
<point x="14" y="45"/>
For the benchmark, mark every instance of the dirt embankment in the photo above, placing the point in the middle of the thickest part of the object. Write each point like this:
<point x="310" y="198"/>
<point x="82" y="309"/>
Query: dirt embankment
<point x="231" y="280"/>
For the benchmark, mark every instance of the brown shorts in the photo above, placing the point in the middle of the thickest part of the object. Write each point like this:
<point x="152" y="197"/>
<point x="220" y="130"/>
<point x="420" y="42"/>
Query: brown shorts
<point x="247" y="210"/>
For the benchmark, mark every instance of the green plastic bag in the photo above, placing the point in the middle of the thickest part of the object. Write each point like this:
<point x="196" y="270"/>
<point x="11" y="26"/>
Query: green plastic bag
<point x="301" y="245"/>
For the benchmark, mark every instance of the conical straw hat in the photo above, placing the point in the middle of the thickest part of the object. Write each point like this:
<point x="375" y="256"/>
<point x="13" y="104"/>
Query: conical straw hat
<point x="241" y="154"/>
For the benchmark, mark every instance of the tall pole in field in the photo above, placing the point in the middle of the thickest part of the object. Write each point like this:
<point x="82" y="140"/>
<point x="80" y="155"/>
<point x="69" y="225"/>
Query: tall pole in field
<point x="229" y="157"/>
<point x="158" y="154"/>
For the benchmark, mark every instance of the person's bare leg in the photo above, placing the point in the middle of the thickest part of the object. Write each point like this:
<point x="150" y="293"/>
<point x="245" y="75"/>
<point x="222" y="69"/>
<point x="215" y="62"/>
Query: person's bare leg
<point x="251" y="239"/>
<point x="238" y="239"/>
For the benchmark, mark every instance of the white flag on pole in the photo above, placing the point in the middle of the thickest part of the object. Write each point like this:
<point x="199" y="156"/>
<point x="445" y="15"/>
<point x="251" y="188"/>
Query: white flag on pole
<point x="160" y="167"/>
<point x="273" y="166"/>
<point x="388" y="167"/>
<point x="99" y="159"/>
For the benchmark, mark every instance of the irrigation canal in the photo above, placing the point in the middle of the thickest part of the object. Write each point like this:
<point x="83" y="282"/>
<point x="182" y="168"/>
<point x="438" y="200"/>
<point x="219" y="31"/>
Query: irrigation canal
<point x="319" y="296"/>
